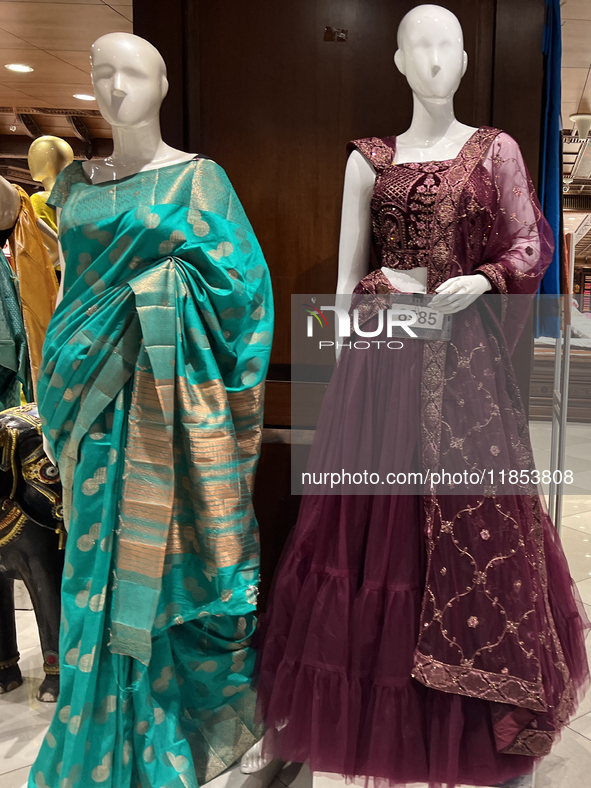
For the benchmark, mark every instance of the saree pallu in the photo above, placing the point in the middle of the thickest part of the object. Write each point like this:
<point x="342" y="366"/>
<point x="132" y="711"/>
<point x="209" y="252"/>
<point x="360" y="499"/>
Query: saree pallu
<point x="151" y="397"/>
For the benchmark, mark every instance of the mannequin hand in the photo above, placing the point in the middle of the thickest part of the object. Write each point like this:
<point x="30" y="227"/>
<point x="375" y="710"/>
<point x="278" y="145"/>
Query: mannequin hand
<point x="459" y="292"/>
<point x="47" y="450"/>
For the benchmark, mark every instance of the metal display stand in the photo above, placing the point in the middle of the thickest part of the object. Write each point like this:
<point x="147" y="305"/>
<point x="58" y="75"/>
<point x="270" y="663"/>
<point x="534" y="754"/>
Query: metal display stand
<point x="560" y="397"/>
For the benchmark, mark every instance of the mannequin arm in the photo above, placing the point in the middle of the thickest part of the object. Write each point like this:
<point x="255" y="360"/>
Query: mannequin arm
<point x="46" y="229"/>
<point x="355" y="241"/>
<point x="10" y="204"/>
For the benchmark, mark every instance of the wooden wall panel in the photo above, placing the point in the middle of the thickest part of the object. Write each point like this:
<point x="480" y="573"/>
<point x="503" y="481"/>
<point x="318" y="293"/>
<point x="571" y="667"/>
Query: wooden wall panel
<point x="164" y="25"/>
<point x="518" y="75"/>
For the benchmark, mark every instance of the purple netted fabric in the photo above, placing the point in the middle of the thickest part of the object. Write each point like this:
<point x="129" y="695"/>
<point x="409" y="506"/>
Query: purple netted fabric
<point x="429" y="638"/>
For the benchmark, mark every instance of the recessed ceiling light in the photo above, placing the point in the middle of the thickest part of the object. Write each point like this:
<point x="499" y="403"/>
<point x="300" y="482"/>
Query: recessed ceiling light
<point x="20" y="67"/>
<point x="84" y="96"/>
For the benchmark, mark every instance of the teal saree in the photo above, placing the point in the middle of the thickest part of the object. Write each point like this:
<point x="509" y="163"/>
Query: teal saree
<point x="14" y="356"/>
<point x="151" y="395"/>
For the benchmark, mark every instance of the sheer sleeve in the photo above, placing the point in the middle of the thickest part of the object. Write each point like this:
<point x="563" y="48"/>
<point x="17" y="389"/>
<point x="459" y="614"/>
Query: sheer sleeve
<point x="520" y="244"/>
<point x="70" y="175"/>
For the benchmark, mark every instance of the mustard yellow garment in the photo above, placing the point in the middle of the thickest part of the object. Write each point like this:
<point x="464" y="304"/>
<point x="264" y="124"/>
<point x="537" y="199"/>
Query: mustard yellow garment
<point x="43" y="210"/>
<point x="37" y="280"/>
<point x="48" y="215"/>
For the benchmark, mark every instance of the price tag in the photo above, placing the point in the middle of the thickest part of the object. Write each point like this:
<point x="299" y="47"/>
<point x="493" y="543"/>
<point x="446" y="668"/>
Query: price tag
<point x="430" y="324"/>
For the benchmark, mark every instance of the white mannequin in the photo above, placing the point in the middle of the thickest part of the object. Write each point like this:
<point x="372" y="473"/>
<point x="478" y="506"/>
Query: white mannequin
<point x="431" y="56"/>
<point x="129" y="79"/>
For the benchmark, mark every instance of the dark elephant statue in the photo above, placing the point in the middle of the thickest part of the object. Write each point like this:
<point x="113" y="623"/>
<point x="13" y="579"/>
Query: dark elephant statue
<point x="32" y="537"/>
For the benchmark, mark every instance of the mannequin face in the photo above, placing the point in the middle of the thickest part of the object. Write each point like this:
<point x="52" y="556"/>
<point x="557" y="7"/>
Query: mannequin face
<point x="431" y="52"/>
<point x="129" y="79"/>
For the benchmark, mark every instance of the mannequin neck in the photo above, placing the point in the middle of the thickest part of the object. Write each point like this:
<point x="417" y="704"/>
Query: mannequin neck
<point x="137" y="146"/>
<point x="432" y="120"/>
<point x="134" y="150"/>
<point x="48" y="182"/>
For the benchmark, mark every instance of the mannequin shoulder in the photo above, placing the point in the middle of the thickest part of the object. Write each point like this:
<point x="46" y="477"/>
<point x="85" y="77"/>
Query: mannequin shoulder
<point x="109" y="169"/>
<point x="97" y="170"/>
<point x="359" y="172"/>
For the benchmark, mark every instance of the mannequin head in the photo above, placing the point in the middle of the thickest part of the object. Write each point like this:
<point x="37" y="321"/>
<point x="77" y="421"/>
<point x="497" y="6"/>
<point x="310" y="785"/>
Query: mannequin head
<point x="129" y="78"/>
<point x="47" y="158"/>
<point x="431" y="52"/>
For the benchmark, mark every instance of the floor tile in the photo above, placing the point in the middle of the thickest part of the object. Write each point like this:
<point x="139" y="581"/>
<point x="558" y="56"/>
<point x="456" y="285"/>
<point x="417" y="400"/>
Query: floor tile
<point x="23" y="719"/>
<point x="578" y="522"/>
<point x="584" y="588"/>
<point x="576" y="439"/>
<point x="582" y="488"/>
<point x="581" y="469"/>
<point x="576" y="504"/>
<point x="582" y="725"/>
<point x="520" y="782"/>
<point x="542" y="459"/>
<point x="568" y="765"/>
<point x="15" y="779"/>
<point x="295" y="775"/>
<point x="579" y="450"/>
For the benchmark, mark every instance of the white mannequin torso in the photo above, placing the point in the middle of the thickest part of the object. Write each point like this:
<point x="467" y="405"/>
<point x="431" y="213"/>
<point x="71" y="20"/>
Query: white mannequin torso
<point x="434" y="73"/>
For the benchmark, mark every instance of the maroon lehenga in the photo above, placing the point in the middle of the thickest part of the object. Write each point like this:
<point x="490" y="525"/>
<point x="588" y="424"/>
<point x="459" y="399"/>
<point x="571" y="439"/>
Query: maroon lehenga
<point x="429" y="638"/>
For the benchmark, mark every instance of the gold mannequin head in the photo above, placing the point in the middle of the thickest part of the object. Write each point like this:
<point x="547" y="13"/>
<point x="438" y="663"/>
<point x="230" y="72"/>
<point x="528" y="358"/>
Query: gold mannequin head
<point x="47" y="158"/>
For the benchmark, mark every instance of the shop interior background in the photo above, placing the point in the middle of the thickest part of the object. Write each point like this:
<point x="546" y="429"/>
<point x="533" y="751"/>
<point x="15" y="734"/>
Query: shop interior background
<point x="273" y="91"/>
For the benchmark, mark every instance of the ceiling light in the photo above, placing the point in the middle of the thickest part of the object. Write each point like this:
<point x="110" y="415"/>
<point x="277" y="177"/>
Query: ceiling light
<point x="20" y="67"/>
<point x="582" y="124"/>
<point x="84" y="97"/>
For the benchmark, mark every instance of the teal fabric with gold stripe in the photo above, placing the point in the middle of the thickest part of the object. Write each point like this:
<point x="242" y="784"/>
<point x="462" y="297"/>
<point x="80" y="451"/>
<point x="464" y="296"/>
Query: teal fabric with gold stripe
<point x="151" y="396"/>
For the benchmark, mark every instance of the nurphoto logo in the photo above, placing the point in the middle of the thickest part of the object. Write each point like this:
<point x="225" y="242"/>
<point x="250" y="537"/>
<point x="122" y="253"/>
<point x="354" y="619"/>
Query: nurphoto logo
<point x="396" y="317"/>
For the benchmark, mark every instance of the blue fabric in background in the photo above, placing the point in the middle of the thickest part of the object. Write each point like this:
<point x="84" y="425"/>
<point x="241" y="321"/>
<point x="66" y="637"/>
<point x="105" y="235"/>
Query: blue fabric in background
<point x="550" y="180"/>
